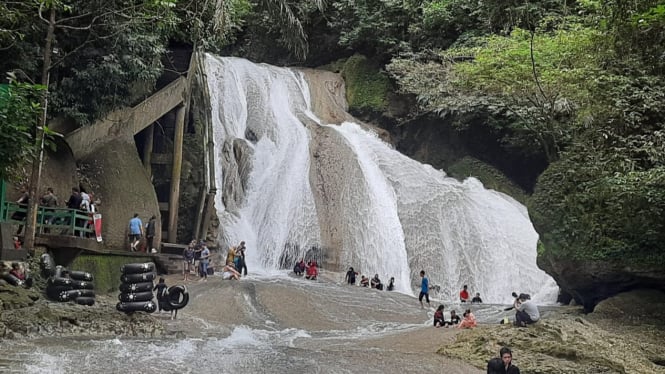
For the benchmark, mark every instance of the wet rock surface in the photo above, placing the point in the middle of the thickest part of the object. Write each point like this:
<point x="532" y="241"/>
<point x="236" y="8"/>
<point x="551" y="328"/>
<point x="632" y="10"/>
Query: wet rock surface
<point x="43" y="318"/>
<point x="624" y="335"/>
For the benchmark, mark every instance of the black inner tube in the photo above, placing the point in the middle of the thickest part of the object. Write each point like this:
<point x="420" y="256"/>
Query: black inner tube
<point x="178" y="297"/>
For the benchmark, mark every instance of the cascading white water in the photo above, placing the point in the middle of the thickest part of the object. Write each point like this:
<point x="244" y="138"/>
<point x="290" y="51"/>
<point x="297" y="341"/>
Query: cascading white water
<point x="399" y="216"/>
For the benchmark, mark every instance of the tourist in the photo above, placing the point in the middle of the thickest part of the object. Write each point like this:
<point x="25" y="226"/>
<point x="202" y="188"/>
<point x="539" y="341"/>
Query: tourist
<point x="454" y="319"/>
<point x="20" y="274"/>
<point x="469" y="320"/>
<point x="464" y="295"/>
<point x="242" y="265"/>
<point x="376" y="282"/>
<point x="231" y="254"/>
<point x="526" y="312"/>
<point x="205" y="258"/>
<point x="230" y="272"/>
<point x="135" y="231"/>
<point x="23" y="203"/>
<point x="502" y="364"/>
<point x="188" y="261"/>
<point x="17" y="243"/>
<point x="364" y="281"/>
<point x="477" y="299"/>
<point x="150" y="229"/>
<point x="350" y="277"/>
<point x="391" y="284"/>
<point x="162" y="295"/>
<point x="424" y="289"/>
<point x="50" y="201"/>
<point x="300" y="267"/>
<point x="312" y="271"/>
<point x="438" y="317"/>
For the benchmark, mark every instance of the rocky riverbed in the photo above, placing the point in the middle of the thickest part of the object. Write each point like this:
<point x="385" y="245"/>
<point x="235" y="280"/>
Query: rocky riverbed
<point x="370" y="331"/>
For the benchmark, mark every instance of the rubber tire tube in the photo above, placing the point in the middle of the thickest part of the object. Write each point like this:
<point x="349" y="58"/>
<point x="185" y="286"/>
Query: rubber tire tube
<point x="139" y="296"/>
<point x="47" y="264"/>
<point x="81" y="276"/>
<point x="136" y="306"/>
<point x="12" y="280"/>
<point x="137" y="268"/>
<point x="174" y="297"/>
<point x="53" y="292"/>
<point x="89" y="301"/>
<point x="136" y="287"/>
<point x="59" y="271"/>
<point x="69" y="295"/>
<point x="137" y="278"/>
<point x="59" y="281"/>
<point x="82" y="285"/>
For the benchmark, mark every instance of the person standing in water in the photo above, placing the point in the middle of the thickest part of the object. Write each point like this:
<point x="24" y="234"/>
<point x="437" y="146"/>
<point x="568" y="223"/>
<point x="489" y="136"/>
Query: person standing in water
<point x="240" y="252"/>
<point x="351" y="276"/>
<point x="424" y="289"/>
<point x="464" y="295"/>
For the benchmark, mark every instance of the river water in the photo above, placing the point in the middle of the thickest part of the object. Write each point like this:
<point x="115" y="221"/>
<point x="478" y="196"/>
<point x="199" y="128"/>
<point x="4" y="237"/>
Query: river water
<point x="271" y="323"/>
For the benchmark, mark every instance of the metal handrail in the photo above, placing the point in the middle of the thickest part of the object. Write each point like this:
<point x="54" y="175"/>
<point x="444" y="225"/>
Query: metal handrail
<point x="61" y="220"/>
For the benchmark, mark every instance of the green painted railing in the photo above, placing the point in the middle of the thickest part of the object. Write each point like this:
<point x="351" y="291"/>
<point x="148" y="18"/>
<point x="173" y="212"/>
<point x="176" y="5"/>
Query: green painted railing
<point x="60" y="221"/>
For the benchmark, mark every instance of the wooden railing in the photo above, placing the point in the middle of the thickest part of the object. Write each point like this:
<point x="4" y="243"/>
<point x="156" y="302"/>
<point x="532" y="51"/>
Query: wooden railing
<point x="57" y="221"/>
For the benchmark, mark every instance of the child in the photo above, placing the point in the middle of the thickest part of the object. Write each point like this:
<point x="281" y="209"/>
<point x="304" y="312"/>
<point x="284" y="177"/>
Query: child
<point x="454" y="319"/>
<point x="162" y="295"/>
<point x="438" y="317"/>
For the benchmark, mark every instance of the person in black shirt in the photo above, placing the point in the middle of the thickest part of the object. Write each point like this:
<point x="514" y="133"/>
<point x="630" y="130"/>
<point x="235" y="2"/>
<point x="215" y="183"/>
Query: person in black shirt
<point x="162" y="295"/>
<point x="477" y="299"/>
<point x="503" y="364"/>
<point x="351" y="276"/>
<point x="150" y="232"/>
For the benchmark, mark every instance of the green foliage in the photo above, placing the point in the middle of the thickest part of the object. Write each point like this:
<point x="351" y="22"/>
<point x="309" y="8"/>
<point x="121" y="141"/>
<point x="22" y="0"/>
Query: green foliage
<point x="19" y="114"/>
<point x="367" y="87"/>
<point x="490" y="177"/>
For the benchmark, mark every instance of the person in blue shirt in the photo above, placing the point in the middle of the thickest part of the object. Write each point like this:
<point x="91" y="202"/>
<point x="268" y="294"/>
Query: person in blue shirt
<point x="205" y="256"/>
<point x="424" y="289"/>
<point x="135" y="232"/>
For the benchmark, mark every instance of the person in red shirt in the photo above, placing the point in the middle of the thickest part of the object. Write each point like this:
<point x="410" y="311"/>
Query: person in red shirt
<point x="464" y="295"/>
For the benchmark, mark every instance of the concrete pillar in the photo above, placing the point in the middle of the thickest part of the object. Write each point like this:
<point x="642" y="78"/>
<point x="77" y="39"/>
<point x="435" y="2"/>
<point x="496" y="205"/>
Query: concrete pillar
<point x="175" y="174"/>
<point x="147" y="148"/>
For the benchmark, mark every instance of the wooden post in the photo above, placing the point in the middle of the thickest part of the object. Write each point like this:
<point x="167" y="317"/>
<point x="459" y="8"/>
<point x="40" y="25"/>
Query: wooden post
<point x="175" y="174"/>
<point x="147" y="149"/>
<point x="207" y="212"/>
<point x="199" y="212"/>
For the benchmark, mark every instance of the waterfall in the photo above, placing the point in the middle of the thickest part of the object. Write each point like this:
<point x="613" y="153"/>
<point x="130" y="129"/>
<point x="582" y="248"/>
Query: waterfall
<point x="294" y="185"/>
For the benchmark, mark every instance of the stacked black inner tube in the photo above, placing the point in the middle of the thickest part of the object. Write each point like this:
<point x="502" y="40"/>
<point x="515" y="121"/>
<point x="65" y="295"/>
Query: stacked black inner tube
<point x="64" y="285"/>
<point x="136" y="288"/>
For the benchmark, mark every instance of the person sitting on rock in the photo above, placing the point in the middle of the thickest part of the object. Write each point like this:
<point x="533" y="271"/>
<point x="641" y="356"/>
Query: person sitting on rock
<point x="454" y="318"/>
<point x="376" y="282"/>
<point x="391" y="284"/>
<point x="312" y="270"/>
<point x="364" y="281"/>
<point x="18" y="272"/>
<point x="230" y="272"/>
<point x="300" y="267"/>
<point x="526" y="312"/>
<point x="469" y="320"/>
<point x="438" y="317"/>
<point x="477" y="299"/>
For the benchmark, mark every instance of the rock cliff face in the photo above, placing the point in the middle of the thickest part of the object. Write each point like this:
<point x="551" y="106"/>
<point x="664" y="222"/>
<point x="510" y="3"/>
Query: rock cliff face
<point x="590" y="282"/>
<point x="123" y="187"/>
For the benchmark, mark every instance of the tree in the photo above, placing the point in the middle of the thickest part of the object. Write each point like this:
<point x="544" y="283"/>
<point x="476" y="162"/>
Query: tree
<point x="19" y="112"/>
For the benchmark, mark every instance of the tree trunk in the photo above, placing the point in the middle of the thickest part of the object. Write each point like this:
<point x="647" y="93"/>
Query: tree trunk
<point x="31" y="220"/>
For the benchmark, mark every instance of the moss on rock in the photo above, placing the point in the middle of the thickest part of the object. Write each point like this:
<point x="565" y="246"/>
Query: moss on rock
<point x="105" y="269"/>
<point x="367" y="87"/>
<point x="566" y="341"/>
<point x="490" y="176"/>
